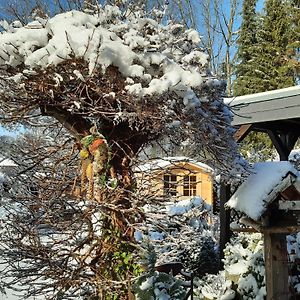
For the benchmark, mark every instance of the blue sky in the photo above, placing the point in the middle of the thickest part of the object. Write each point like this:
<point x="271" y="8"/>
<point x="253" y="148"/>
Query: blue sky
<point x="260" y="5"/>
<point x="4" y="131"/>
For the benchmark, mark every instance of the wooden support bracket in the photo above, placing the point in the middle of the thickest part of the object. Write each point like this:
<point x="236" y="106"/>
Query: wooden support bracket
<point x="269" y="229"/>
<point x="289" y="205"/>
<point x="242" y="132"/>
<point x="284" y="143"/>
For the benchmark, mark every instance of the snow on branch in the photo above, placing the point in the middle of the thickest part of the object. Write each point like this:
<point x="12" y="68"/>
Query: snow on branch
<point x="121" y="71"/>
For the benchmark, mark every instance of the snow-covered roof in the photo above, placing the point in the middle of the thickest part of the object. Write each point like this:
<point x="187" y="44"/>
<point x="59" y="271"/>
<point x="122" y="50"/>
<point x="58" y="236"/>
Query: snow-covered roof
<point x="163" y="163"/>
<point x="294" y="155"/>
<point x="261" y="188"/>
<point x="258" y="97"/>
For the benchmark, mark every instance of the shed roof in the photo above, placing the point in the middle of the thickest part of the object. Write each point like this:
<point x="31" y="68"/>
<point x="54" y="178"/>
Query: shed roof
<point x="166" y="162"/>
<point x="281" y="106"/>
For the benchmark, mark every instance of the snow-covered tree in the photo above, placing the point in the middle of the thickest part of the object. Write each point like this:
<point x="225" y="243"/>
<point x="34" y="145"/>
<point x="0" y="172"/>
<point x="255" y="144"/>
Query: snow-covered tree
<point x="115" y="81"/>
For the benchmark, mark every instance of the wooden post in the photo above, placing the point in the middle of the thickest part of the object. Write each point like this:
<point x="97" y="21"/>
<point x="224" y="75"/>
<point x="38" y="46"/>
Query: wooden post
<point x="276" y="266"/>
<point x="225" y="231"/>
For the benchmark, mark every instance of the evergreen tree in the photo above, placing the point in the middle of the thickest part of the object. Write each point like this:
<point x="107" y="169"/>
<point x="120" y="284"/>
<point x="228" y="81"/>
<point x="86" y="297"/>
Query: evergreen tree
<point x="265" y="58"/>
<point x="257" y="146"/>
<point x="295" y="13"/>
<point x="266" y="61"/>
<point x="244" y="70"/>
<point x="274" y="49"/>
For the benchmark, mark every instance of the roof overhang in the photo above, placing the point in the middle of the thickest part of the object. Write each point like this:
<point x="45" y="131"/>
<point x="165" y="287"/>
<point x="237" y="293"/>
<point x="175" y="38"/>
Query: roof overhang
<point x="279" y="110"/>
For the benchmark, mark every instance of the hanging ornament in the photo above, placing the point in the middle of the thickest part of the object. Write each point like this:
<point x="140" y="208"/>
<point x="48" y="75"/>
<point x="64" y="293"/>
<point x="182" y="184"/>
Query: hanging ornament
<point x="84" y="154"/>
<point x="95" y="145"/>
<point x="87" y="141"/>
<point x="90" y="178"/>
<point x="84" y="165"/>
<point x="95" y="163"/>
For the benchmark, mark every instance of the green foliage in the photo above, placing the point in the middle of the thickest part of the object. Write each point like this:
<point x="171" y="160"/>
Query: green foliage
<point x="118" y="261"/>
<point x="257" y="147"/>
<point x="244" y="272"/>
<point x="156" y="285"/>
<point x="202" y="258"/>
<point x="123" y="263"/>
<point x="246" y="250"/>
<point x="274" y="51"/>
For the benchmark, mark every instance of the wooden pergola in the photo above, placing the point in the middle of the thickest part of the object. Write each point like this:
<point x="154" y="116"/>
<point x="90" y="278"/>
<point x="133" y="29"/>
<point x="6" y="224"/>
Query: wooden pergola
<point x="276" y="113"/>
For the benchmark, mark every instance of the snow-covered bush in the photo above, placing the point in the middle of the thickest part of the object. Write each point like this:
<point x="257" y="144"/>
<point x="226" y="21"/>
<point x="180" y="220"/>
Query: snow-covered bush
<point x="180" y="232"/>
<point x="157" y="285"/>
<point x="215" y="287"/>
<point x="294" y="158"/>
<point x="244" y="265"/>
<point x="244" y="272"/>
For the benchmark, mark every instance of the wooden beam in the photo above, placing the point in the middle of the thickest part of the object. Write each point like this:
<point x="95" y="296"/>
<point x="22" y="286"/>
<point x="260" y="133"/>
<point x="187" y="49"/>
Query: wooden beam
<point x="282" y="126"/>
<point x="249" y="222"/>
<point x="276" y="266"/>
<point x="244" y="229"/>
<point x="242" y="132"/>
<point x="281" y="229"/>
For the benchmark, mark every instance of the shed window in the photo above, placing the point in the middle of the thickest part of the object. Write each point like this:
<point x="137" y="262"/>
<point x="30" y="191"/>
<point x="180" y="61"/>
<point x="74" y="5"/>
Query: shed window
<point x="189" y="185"/>
<point x="170" y="183"/>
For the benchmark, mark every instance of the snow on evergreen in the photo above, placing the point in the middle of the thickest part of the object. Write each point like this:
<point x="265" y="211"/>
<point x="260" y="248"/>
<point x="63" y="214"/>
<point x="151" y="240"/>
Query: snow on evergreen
<point x="178" y="233"/>
<point x="243" y="274"/>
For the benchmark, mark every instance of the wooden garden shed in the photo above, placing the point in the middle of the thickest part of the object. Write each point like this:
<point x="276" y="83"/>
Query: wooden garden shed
<point x="178" y="177"/>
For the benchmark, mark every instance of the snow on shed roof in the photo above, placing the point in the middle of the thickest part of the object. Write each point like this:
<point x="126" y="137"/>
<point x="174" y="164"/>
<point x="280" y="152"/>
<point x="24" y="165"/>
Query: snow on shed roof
<point x="166" y="162"/>
<point x="257" y="97"/>
<point x="261" y="187"/>
<point x="273" y="105"/>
